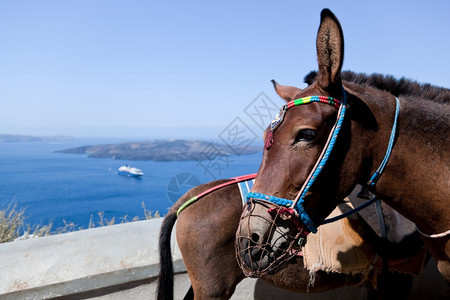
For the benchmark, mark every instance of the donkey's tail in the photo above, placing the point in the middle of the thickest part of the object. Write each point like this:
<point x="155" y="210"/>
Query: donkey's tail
<point x="165" y="281"/>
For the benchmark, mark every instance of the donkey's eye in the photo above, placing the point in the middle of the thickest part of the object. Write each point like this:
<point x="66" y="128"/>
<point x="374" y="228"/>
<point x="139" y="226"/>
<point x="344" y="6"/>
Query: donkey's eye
<point x="305" y="135"/>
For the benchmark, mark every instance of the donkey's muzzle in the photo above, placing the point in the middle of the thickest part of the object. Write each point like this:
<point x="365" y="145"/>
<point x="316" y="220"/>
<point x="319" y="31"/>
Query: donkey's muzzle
<point x="265" y="240"/>
<point x="255" y="257"/>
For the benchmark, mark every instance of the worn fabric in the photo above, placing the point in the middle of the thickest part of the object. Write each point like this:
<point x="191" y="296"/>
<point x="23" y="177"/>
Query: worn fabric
<point x="339" y="246"/>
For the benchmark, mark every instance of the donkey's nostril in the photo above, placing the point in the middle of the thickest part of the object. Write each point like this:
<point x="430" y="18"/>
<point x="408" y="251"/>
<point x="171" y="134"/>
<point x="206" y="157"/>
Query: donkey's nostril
<point x="281" y="248"/>
<point x="283" y="245"/>
<point x="255" y="237"/>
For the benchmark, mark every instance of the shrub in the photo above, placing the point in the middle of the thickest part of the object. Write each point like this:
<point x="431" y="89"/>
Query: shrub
<point x="11" y="221"/>
<point x="12" y="224"/>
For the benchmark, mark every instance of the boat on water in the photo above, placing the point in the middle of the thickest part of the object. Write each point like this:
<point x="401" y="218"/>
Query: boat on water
<point x="126" y="170"/>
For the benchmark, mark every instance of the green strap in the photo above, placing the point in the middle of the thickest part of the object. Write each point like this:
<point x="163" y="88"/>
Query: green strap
<point x="186" y="204"/>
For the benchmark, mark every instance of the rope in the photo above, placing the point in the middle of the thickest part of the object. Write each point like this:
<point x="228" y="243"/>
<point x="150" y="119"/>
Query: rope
<point x="350" y="212"/>
<point x="433" y="236"/>
<point x="306" y="219"/>
<point x="323" y="158"/>
<point x="186" y="204"/>
<point x="273" y="199"/>
<point x="214" y="188"/>
<point x="286" y="203"/>
<point x="376" y="175"/>
<point x="323" y="99"/>
<point x="383" y="231"/>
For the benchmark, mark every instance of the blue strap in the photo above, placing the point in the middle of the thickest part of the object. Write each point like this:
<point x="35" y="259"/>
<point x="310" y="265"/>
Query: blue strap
<point x="305" y="218"/>
<point x="330" y="147"/>
<point x="299" y="205"/>
<point x="351" y="212"/>
<point x="273" y="199"/>
<point x="373" y="180"/>
<point x="286" y="203"/>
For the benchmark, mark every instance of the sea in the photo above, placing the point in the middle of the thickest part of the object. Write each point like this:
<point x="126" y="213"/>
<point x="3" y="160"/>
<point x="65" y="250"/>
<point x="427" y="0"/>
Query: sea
<point x="60" y="188"/>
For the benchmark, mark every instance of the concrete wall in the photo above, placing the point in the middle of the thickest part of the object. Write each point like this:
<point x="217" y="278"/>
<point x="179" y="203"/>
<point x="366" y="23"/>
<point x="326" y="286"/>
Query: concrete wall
<point x="121" y="262"/>
<point x="87" y="261"/>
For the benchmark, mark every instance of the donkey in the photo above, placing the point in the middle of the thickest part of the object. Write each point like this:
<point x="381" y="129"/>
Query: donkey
<point x="336" y="134"/>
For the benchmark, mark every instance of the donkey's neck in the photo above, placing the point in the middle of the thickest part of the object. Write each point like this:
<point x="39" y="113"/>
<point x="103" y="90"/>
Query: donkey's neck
<point x="416" y="179"/>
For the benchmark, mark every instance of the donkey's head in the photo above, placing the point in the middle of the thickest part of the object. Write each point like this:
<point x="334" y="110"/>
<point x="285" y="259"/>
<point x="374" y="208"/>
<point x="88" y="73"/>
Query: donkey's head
<point x="285" y="205"/>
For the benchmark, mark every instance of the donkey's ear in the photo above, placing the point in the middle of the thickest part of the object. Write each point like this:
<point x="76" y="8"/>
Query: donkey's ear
<point x="288" y="93"/>
<point x="330" y="51"/>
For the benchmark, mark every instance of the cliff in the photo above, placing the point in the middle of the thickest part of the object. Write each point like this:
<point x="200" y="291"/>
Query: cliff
<point x="160" y="150"/>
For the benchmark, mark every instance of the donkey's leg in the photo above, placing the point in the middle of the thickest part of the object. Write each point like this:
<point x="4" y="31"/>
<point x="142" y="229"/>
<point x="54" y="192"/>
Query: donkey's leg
<point x="214" y="274"/>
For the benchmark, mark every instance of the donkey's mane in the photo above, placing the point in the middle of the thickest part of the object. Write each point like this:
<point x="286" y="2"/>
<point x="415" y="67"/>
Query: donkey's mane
<point x="396" y="87"/>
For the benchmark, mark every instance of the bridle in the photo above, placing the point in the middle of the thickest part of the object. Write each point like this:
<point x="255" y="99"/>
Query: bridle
<point x="295" y="207"/>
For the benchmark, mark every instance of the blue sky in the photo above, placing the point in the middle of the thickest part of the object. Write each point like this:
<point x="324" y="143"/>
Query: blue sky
<point x="189" y="68"/>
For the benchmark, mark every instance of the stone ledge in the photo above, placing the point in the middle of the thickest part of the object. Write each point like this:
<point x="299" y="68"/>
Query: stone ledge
<point x="82" y="261"/>
<point x="122" y="262"/>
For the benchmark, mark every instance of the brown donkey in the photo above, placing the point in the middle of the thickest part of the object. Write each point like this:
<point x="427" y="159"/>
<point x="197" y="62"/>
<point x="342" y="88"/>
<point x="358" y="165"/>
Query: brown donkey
<point x="206" y="233"/>
<point x="352" y="132"/>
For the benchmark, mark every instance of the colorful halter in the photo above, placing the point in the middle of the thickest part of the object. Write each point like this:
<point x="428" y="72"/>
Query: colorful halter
<point x="297" y="203"/>
<point x="280" y="117"/>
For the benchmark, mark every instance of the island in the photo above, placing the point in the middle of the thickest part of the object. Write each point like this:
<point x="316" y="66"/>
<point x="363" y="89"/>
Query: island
<point x="162" y="150"/>
<point x="19" y="138"/>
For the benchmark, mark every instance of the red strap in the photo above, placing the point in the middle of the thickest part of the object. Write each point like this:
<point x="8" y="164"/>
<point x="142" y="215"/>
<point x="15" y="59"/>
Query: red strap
<point x="232" y="181"/>
<point x="244" y="177"/>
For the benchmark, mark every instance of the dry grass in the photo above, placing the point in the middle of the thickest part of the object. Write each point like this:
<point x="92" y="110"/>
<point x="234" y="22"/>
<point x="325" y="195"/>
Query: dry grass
<point x="12" y="223"/>
<point x="13" y="227"/>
